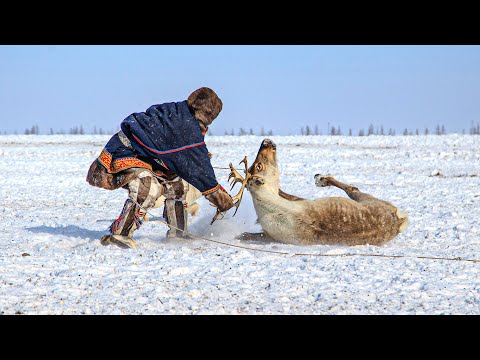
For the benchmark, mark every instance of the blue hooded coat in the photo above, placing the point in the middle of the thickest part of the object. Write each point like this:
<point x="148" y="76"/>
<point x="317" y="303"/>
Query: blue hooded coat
<point x="165" y="134"/>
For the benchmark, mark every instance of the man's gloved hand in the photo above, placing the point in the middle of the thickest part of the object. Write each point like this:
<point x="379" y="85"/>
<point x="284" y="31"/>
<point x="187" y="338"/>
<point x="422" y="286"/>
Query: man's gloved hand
<point x="221" y="199"/>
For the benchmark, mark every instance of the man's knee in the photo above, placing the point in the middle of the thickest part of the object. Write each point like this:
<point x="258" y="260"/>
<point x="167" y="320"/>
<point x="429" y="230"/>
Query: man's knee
<point x="145" y="189"/>
<point x="175" y="189"/>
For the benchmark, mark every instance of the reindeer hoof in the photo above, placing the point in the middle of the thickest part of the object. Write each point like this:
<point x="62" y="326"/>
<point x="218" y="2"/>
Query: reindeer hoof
<point x="322" y="181"/>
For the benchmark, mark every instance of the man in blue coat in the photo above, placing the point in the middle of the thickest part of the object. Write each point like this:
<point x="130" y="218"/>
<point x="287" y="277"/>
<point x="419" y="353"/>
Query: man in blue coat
<point x="151" y="155"/>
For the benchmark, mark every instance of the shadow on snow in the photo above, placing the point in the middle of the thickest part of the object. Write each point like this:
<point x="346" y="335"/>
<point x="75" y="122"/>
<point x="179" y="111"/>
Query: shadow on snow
<point x="69" y="230"/>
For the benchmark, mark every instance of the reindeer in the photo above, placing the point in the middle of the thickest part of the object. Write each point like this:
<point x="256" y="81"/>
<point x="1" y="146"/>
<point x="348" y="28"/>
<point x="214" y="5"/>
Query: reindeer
<point x="357" y="220"/>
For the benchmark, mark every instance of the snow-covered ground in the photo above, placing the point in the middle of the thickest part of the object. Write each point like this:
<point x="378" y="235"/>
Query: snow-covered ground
<point x="51" y="260"/>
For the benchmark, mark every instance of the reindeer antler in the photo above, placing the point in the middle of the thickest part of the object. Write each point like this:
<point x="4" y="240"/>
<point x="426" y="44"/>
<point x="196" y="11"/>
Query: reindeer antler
<point x="236" y="178"/>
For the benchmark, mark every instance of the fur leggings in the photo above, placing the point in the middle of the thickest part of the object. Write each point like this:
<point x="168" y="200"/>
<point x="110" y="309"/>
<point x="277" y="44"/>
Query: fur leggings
<point x="144" y="189"/>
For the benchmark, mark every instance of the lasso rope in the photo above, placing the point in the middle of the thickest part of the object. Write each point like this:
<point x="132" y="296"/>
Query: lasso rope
<point x="309" y="254"/>
<point x="224" y="168"/>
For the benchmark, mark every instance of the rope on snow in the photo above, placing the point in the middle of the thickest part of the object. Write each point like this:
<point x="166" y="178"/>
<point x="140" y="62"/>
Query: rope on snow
<point x="313" y="254"/>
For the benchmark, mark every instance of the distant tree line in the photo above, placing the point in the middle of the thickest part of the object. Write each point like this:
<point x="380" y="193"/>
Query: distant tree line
<point x="372" y="130"/>
<point x="475" y="130"/>
<point x="243" y="132"/>
<point x="76" y="130"/>
<point x="304" y="130"/>
<point x="32" y="131"/>
<point x="307" y="131"/>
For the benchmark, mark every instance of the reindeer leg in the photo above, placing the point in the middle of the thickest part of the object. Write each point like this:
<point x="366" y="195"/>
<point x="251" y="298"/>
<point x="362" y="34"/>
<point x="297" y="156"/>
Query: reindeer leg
<point x="246" y="236"/>
<point x="323" y="181"/>
<point x="352" y="191"/>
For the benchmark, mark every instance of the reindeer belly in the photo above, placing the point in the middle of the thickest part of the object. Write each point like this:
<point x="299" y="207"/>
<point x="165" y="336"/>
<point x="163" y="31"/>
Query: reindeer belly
<point x="341" y="220"/>
<point x="280" y="227"/>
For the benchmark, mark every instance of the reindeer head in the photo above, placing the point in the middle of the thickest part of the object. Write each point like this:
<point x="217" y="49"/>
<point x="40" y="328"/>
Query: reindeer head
<point x="262" y="176"/>
<point x="264" y="171"/>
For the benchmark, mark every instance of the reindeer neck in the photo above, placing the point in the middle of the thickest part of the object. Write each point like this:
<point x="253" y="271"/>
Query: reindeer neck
<point x="267" y="199"/>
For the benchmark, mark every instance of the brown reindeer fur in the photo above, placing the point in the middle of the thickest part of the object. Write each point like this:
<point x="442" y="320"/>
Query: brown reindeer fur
<point x="284" y="195"/>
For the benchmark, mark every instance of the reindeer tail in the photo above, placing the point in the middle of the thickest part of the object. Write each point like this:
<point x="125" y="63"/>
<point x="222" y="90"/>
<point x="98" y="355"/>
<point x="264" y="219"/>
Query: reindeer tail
<point x="403" y="220"/>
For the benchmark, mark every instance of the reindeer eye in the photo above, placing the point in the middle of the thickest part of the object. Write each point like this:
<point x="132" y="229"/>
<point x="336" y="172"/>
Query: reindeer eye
<point x="259" y="167"/>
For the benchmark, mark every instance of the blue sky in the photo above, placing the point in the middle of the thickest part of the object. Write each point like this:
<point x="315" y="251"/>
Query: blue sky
<point x="281" y="88"/>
